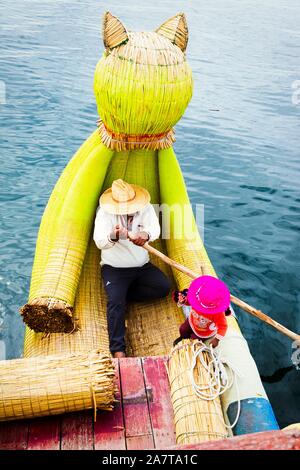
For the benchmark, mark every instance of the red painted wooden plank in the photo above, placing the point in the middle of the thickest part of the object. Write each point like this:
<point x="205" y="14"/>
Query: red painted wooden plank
<point x="268" y="440"/>
<point x="13" y="435"/>
<point x="138" y="429"/>
<point x="77" y="431"/>
<point x="140" y="442"/>
<point x="109" y="431"/>
<point x="44" y="433"/>
<point x="159" y="400"/>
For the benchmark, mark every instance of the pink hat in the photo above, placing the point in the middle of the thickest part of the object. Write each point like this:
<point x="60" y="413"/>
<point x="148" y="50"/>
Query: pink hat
<point x="208" y="295"/>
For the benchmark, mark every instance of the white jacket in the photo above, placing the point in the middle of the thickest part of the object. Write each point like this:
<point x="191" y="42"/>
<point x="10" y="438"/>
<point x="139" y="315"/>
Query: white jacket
<point x="124" y="253"/>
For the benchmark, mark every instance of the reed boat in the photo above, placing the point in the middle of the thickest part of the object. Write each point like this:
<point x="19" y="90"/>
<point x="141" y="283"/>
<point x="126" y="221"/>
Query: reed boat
<point x="153" y="326"/>
<point x="142" y="85"/>
<point x="151" y="330"/>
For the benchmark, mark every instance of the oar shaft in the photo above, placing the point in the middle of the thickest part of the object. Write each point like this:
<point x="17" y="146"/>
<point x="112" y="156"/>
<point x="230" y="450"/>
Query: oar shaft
<point x="170" y="261"/>
<point x="240" y="303"/>
<point x="262" y="316"/>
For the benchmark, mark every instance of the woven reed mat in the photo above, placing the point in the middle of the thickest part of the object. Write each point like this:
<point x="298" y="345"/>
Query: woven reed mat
<point x="151" y="326"/>
<point x="196" y="420"/>
<point x="56" y="384"/>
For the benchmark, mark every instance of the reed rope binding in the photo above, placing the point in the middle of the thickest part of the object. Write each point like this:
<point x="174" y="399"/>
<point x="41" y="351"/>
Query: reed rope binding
<point x="121" y="141"/>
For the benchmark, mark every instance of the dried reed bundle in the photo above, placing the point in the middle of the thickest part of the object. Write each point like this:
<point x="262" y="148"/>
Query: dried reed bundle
<point x="142" y="84"/>
<point x="196" y="420"/>
<point x="63" y="239"/>
<point x="56" y="384"/>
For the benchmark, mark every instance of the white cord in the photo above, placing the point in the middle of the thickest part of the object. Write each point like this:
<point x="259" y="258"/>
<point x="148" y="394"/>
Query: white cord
<point x="220" y="378"/>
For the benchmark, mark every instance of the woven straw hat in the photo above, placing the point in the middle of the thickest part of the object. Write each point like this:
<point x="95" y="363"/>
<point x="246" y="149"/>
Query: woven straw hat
<point x="124" y="198"/>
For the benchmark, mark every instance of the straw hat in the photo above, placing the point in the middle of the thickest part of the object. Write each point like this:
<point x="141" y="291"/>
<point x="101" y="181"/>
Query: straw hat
<point x="124" y="198"/>
<point x="208" y="295"/>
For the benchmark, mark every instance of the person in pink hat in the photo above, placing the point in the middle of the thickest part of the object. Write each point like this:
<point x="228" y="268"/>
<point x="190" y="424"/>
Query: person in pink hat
<point x="209" y="300"/>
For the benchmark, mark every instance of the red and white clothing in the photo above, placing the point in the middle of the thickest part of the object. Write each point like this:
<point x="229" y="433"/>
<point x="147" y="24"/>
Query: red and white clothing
<point x="204" y="326"/>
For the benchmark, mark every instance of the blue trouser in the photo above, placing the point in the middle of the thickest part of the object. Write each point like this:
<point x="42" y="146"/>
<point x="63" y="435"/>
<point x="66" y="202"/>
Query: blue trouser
<point x="129" y="284"/>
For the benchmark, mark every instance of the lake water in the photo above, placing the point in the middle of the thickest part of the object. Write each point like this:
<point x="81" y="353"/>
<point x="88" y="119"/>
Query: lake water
<point x="238" y="145"/>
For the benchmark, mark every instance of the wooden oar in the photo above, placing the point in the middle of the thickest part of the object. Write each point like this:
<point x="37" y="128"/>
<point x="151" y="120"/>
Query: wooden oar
<point x="240" y="303"/>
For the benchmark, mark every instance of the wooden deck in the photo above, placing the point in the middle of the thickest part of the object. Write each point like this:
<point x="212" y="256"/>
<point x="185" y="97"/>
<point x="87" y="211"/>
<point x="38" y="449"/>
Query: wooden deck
<point x="143" y="418"/>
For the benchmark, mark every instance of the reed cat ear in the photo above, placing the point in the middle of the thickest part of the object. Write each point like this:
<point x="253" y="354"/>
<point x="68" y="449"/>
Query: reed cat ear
<point x="176" y="30"/>
<point x="114" y="32"/>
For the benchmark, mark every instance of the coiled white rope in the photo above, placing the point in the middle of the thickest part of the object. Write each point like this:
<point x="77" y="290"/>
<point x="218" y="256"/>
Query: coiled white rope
<point x="220" y="377"/>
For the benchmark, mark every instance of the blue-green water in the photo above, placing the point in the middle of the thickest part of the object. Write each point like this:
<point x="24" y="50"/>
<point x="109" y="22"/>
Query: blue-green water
<point x="238" y="145"/>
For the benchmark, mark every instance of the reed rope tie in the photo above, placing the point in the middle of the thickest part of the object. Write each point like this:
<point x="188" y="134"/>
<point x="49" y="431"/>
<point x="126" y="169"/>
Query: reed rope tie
<point x="129" y="141"/>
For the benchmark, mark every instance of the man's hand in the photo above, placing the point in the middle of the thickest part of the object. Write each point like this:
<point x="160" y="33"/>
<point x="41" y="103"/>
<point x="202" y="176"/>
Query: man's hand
<point x="139" y="238"/>
<point x="214" y="342"/>
<point x="118" y="233"/>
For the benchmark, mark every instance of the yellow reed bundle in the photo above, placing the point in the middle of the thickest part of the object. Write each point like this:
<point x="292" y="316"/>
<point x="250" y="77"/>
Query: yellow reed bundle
<point x="63" y="239"/>
<point x="196" y="420"/>
<point x="184" y="244"/>
<point x="53" y="385"/>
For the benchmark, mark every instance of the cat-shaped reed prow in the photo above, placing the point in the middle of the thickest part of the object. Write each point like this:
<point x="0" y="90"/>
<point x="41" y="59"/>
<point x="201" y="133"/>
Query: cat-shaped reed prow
<point x="142" y="84"/>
